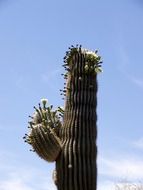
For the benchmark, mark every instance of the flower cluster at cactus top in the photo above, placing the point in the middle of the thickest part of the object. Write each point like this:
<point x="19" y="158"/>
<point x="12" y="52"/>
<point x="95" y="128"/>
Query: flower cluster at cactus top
<point x="92" y="60"/>
<point x="89" y="52"/>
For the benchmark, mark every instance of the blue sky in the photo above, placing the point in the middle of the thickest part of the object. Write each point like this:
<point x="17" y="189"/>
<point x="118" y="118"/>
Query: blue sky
<point x="34" y="36"/>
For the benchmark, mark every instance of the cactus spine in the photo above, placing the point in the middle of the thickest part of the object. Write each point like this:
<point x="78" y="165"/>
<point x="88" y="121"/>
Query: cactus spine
<point x="74" y="143"/>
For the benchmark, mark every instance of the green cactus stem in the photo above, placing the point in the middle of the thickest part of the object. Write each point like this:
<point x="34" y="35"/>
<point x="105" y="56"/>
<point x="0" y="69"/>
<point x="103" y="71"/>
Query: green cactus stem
<point x="76" y="165"/>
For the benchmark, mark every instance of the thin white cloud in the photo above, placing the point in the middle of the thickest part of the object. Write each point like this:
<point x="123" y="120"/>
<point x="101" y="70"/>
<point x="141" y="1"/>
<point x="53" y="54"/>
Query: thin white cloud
<point x="137" y="81"/>
<point x="16" y="184"/>
<point x="50" y="78"/>
<point x="124" y="65"/>
<point x="119" y="185"/>
<point x="17" y="176"/>
<point x="138" y="143"/>
<point x="123" y="56"/>
<point x="106" y="185"/>
<point x="130" y="168"/>
<point x="30" y="179"/>
<point x="125" y="185"/>
<point x="51" y="75"/>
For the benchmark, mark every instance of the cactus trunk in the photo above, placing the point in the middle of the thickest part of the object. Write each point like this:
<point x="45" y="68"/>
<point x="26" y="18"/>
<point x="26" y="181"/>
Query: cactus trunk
<point x="76" y="165"/>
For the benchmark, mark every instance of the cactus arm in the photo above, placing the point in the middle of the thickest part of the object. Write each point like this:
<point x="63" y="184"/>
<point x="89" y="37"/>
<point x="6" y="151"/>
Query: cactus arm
<point x="43" y="136"/>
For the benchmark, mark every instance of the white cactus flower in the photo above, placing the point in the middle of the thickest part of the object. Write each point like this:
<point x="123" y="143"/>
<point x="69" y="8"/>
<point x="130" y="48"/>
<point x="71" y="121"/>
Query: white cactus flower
<point x="91" y="53"/>
<point x="44" y="101"/>
<point x="98" y="70"/>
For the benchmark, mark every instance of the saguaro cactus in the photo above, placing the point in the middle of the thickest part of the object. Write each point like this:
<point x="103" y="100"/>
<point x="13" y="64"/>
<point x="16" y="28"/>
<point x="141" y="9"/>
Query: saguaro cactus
<point x="69" y="136"/>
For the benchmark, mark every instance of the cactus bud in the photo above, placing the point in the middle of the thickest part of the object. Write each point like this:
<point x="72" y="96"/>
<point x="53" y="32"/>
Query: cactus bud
<point x="98" y="70"/>
<point x="44" y="102"/>
<point x="86" y="67"/>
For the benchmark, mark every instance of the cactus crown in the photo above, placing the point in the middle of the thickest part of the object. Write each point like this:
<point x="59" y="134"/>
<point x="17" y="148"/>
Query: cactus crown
<point x="92" y="60"/>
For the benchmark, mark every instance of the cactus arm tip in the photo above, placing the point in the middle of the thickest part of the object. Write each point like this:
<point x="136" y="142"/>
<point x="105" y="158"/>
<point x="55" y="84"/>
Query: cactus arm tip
<point x="43" y="135"/>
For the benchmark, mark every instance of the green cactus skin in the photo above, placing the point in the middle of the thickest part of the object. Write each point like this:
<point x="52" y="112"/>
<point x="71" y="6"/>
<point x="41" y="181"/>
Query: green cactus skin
<point x="43" y="132"/>
<point x="76" y="165"/>
<point x="45" y="143"/>
<point x="72" y="144"/>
